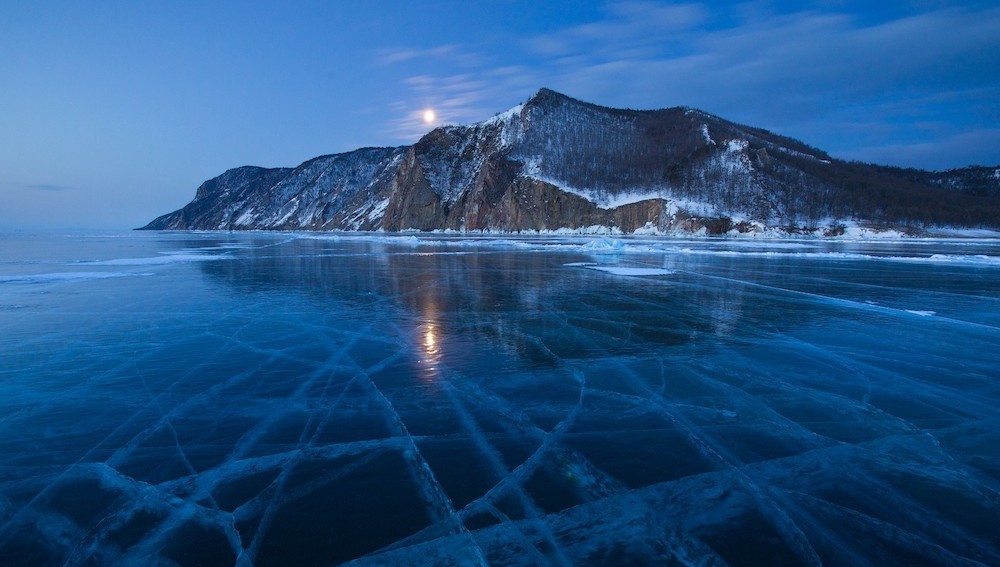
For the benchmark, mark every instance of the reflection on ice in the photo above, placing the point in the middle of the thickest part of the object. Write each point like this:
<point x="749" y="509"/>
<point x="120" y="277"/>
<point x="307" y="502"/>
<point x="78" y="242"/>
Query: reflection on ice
<point x="430" y="341"/>
<point x="415" y="400"/>
<point x="431" y="352"/>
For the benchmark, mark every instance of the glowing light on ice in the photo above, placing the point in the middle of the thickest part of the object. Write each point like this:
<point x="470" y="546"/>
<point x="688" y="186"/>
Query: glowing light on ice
<point x="431" y="347"/>
<point x="430" y="340"/>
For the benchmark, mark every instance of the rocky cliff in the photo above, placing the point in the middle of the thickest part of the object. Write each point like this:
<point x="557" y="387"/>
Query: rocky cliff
<point x="556" y="162"/>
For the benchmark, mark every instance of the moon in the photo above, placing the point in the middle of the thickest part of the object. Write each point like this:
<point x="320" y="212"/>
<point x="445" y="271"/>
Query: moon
<point x="429" y="116"/>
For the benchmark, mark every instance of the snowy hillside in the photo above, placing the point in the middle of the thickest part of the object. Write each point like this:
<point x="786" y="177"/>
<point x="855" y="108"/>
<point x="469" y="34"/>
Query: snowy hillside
<point x="554" y="162"/>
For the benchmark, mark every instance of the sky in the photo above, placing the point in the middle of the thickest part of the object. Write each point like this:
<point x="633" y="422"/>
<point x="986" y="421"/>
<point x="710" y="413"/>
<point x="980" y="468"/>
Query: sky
<point x="112" y="113"/>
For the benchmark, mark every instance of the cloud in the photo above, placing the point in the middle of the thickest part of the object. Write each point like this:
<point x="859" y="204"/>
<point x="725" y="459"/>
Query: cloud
<point x="976" y="147"/>
<point x="801" y="63"/>
<point x="455" y="99"/>
<point x="450" y="53"/>
<point x="630" y="29"/>
<point x="801" y="73"/>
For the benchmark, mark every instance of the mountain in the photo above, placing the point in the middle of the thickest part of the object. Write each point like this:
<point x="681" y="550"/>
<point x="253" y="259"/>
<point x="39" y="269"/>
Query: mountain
<point x="555" y="162"/>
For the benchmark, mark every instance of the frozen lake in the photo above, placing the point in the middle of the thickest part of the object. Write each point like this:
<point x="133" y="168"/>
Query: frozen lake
<point x="295" y="399"/>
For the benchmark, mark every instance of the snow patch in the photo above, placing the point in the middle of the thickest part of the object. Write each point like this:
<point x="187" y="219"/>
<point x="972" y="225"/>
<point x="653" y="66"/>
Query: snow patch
<point x="955" y="259"/>
<point x="604" y="245"/>
<point x="603" y="199"/>
<point x="66" y="276"/>
<point x="246" y="218"/>
<point x="861" y="232"/>
<point x="378" y="210"/>
<point x="705" y="135"/>
<point x="168" y="258"/>
<point x="964" y="232"/>
<point x="737" y="145"/>
<point x="503" y="117"/>
<point x="975" y="260"/>
<point x="630" y="271"/>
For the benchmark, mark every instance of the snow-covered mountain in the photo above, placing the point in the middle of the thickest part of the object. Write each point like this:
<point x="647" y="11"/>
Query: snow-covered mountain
<point x="555" y="162"/>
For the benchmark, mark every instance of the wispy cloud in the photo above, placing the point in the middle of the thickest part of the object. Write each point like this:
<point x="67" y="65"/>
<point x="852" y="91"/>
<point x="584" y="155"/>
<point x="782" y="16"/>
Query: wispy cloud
<point x="631" y="30"/>
<point x="948" y="152"/>
<point x="799" y="73"/>
<point x="456" y="99"/>
<point x="802" y="63"/>
<point x="451" y="53"/>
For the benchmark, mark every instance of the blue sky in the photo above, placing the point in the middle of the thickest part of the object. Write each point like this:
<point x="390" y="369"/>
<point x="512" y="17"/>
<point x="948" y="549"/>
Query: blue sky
<point x="113" y="113"/>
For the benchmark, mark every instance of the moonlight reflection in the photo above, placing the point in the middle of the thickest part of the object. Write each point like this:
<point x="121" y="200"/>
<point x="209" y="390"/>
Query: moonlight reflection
<point x="430" y="341"/>
<point x="431" y="346"/>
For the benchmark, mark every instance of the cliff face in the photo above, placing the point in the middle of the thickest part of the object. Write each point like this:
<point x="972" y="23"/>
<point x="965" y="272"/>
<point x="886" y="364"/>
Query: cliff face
<point x="215" y="199"/>
<point x="324" y="193"/>
<point x="555" y="162"/>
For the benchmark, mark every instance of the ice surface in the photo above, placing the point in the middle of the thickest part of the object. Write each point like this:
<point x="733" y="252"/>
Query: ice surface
<point x="424" y="399"/>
